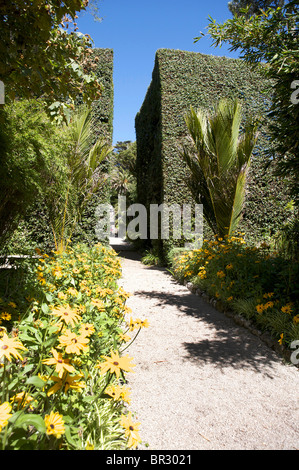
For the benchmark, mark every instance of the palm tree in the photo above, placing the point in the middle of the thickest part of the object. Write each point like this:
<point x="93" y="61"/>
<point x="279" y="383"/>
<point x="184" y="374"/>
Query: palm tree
<point x="84" y="177"/>
<point x="218" y="159"/>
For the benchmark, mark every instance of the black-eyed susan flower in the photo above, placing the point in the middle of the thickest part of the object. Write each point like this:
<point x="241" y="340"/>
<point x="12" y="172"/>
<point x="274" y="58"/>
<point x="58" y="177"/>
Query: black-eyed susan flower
<point x="66" y="382"/>
<point x="54" y="424"/>
<point x="115" y="364"/>
<point x="287" y="308"/>
<point x="73" y="343"/>
<point x="87" y="329"/>
<point x="9" y="347"/>
<point x="23" y="399"/>
<point x="229" y="266"/>
<point x="5" y="414"/>
<point x="142" y="323"/>
<point x="132" y="430"/>
<point x="61" y="364"/>
<point x="67" y="314"/>
<point x="114" y="391"/>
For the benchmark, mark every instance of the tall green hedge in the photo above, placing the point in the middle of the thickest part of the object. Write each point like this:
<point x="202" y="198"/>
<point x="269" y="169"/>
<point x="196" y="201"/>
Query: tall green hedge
<point x="181" y="79"/>
<point x="103" y="116"/>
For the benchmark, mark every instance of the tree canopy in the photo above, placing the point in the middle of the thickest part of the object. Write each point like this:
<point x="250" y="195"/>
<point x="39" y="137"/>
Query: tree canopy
<point x="42" y="54"/>
<point x="236" y="7"/>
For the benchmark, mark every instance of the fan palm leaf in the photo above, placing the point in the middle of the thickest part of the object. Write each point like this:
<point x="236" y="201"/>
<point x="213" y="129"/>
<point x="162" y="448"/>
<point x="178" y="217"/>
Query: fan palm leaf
<point x="218" y="160"/>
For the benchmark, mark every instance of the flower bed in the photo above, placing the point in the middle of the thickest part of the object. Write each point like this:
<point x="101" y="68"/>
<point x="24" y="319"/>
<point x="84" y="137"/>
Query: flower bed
<point x="63" y="372"/>
<point x="253" y="282"/>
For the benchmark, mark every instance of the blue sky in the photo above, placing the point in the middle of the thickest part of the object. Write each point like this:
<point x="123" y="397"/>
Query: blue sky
<point x="135" y="30"/>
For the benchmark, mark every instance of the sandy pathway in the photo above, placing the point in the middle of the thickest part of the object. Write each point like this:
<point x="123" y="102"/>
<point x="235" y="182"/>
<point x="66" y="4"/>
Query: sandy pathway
<point x="201" y="381"/>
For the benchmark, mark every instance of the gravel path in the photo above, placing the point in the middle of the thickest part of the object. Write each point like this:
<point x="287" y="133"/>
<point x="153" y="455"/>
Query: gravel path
<point x="201" y="381"/>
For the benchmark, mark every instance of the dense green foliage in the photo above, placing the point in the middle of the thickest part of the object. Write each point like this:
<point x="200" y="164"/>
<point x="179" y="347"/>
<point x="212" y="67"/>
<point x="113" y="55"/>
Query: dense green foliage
<point x="272" y="37"/>
<point x="40" y="57"/>
<point x="181" y="79"/>
<point x="31" y="154"/>
<point x="237" y="7"/>
<point x="28" y="130"/>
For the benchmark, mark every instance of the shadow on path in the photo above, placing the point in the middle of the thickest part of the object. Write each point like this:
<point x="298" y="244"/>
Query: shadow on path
<point x="228" y="345"/>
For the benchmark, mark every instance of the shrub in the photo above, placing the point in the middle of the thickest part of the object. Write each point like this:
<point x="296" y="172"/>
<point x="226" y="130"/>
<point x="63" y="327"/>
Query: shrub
<point x="251" y="281"/>
<point x="63" y="368"/>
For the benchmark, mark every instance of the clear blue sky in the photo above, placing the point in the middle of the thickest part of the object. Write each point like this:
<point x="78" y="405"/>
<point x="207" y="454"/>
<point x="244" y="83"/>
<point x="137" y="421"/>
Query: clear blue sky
<point x="135" y="30"/>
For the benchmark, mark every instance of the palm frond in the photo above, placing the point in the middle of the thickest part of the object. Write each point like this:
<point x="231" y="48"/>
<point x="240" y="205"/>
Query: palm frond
<point x="218" y="161"/>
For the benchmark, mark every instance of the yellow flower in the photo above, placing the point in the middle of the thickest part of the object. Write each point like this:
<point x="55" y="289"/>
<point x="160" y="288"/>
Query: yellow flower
<point x="287" y="308"/>
<point x="132" y="430"/>
<point x="5" y="410"/>
<point x="87" y="329"/>
<point x="268" y="295"/>
<point x="124" y="337"/>
<point x="2" y="331"/>
<point x="99" y="304"/>
<point x="220" y="274"/>
<point x="68" y="381"/>
<point x="9" y="346"/>
<point x="73" y="343"/>
<point x="61" y="365"/>
<point x="229" y="299"/>
<point x="296" y="319"/>
<point x="269" y="304"/>
<point x="281" y="338"/>
<point x="114" y="391"/>
<point x="72" y="291"/>
<point x="229" y="266"/>
<point x="67" y="314"/>
<point x="260" y="308"/>
<point x="141" y="323"/>
<point x="6" y="316"/>
<point x="54" y="424"/>
<point x="12" y="304"/>
<point x="23" y="399"/>
<point x="115" y="364"/>
<point x="57" y="272"/>
<point x="62" y="295"/>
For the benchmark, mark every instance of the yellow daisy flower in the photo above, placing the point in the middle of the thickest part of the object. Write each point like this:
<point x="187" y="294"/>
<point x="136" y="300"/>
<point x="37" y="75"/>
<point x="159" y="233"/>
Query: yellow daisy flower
<point x="54" y="424"/>
<point x="73" y="343"/>
<point x="115" y="364"/>
<point x="61" y="364"/>
<point x="5" y="414"/>
<point x="132" y="431"/>
<point x="9" y="346"/>
<point x="68" y="381"/>
<point x="67" y="314"/>
<point x="87" y="329"/>
<point x="23" y="399"/>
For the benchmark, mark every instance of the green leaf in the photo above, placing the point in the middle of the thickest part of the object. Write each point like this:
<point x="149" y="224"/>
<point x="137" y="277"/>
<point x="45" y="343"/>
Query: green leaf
<point x="45" y="308"/>
<point x="28" y="419"/>
<point x="36" y="381"/>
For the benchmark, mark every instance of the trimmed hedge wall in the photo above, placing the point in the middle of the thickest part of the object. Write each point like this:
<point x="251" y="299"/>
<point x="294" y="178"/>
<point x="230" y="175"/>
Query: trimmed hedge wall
<point x="103" y="115"/>
<point x="181" y="79"/>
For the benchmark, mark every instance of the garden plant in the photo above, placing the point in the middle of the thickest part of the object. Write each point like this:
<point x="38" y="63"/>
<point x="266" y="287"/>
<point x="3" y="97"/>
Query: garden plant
<point x="63" y="371"/>
<point x="255" y="282"/>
